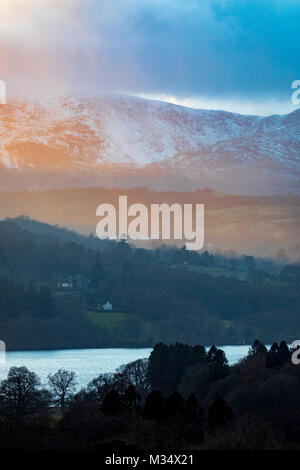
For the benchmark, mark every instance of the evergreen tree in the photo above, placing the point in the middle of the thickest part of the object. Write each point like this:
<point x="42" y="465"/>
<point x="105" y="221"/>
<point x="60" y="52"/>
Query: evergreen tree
<point x="155" y="406"/>
<point x="97" y="272"/>
<point x="257" y="349"/>
<point x="218" y="364"/>
<point x="219" y="415"/>
<point x="284" y="354"/>
<point x="193" y="408"/>
<point x="272" y="361"/>
<point x="195" y="416"/>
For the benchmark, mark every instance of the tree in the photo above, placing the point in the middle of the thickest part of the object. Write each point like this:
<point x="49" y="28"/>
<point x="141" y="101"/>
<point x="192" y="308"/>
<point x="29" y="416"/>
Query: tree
<point x="291" y="274"/>
<point x="3" y="259"/>
<point x="155" y="406"/>
<point x="257" y="349"/>
<point x="136" y="374"/>
<point x="168" y="365"/>
<point x="62" y="386"/>
<point x="127" y="274"/>
<point x="130" y="397"/>
<point x="218" y="363"/>
<point x="19" y="393"/>
<point x="272" y="361"/>
<point x="219" y="415"/>
<point x="44" y="304"/>
<point x="99" y="387"/>
<point x="278" y="356"/>
<point x="195" y="416"/>
<point x="284" y="354"/>
<point x="250" y="265"/>
<point x="197" y="355"/>
<point x="97" y="273"/>
<point x="112" y="404"/>
<point x="175" y="404"/>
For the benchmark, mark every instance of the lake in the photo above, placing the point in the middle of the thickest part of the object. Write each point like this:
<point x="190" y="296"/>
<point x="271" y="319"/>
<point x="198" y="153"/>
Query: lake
<point x="88" y="363"/>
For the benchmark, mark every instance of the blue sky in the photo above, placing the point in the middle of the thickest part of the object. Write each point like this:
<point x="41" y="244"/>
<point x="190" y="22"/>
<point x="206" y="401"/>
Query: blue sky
<point x="238" y="55"/>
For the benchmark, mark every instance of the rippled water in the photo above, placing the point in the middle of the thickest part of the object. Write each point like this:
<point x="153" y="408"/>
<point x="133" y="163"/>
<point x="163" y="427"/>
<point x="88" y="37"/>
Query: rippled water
<point x="88" y="363"/>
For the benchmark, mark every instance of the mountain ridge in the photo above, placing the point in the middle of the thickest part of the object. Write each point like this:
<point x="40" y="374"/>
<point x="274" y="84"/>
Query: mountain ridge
<point x="129" y="137"/>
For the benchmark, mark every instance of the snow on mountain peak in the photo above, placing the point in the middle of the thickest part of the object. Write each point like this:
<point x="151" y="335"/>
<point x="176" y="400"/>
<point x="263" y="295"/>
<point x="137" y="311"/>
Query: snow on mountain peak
<point x="85" y="134"/>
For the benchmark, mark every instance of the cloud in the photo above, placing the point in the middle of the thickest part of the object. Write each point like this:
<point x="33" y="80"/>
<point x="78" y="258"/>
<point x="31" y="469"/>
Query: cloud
<point x="223" y="49"/>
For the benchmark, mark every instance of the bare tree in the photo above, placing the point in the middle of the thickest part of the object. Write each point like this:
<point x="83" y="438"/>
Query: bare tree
<point x="19" y="393"/>
<point x="136" y="374"/>
<point x="62" y="386"/>
<point x="100" y="386"/>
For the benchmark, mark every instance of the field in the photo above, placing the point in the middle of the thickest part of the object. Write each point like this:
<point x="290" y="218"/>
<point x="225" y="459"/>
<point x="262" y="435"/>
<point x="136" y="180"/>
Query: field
<point x="211" y="271"/>
<point x="124" y="329"/>
<point x="111" y="320"/>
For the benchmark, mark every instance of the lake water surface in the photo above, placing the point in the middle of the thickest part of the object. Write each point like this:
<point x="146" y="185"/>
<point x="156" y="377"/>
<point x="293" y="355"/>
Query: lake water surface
<point x="88" y="363"/>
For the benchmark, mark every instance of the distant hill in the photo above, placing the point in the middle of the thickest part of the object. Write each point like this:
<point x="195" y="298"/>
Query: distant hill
<point x="260" y="226"/>
<point x="44" y="232"/>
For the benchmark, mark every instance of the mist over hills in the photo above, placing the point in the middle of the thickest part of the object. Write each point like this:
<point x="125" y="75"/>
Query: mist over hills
<point x="125" y="141"/>
<point x="260" y="226"/>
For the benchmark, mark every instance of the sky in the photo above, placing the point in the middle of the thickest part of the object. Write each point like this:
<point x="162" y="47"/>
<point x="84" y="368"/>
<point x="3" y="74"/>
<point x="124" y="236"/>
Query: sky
<point x="238" y="55"/>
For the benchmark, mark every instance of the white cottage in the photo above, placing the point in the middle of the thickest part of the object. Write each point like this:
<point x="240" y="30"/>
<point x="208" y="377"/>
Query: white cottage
<point x="107" y="306"/>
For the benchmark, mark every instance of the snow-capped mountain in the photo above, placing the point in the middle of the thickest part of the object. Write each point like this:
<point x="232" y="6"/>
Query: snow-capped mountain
<point x="134" y="141"/>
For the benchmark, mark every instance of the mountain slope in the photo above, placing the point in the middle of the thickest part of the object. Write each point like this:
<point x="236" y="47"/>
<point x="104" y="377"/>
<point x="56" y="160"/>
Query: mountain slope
<point x="128" y="140"/>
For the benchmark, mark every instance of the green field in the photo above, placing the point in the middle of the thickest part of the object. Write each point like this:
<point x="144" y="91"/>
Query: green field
<point x="211" y="271"/>
<point x="124" y="329"/>
<point x="110" y="320"/>
<point x="66" y="294"/>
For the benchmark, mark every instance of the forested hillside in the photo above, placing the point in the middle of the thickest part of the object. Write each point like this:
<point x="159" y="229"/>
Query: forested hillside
<point x="59" y="289"/>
